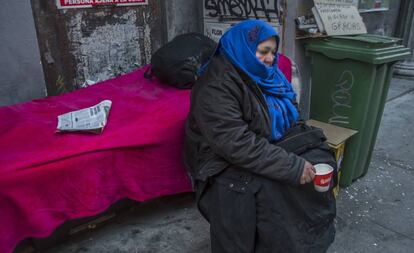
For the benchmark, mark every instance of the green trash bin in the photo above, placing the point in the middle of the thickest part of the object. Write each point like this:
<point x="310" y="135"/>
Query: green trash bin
<point x="350" y="77"/>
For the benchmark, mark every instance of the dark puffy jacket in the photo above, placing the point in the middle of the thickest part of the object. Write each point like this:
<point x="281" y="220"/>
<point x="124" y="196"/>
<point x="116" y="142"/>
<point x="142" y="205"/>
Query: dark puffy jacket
<point x="229" y="126"/>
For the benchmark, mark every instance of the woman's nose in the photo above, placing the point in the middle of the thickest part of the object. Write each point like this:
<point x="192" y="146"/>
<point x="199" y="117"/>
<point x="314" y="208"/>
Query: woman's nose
<point x="269" y="58"/>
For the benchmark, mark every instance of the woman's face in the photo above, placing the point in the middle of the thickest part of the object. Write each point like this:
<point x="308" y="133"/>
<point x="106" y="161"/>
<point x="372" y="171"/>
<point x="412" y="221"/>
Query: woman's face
<point x="266" y="51"/>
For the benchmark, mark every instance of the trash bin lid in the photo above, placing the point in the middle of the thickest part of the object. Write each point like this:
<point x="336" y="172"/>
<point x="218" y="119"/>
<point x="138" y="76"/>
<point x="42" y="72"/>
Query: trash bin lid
<point x="375" y="49"/>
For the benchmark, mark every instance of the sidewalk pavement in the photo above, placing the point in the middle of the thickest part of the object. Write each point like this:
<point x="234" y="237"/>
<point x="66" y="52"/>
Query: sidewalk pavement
<point x="375" y="213"/>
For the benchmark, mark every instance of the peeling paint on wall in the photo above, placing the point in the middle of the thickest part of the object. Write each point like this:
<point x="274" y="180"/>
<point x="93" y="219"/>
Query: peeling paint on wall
<point x="108" y="50"/>
<point x="80" y="47"/>
<point x="147" y="36"/>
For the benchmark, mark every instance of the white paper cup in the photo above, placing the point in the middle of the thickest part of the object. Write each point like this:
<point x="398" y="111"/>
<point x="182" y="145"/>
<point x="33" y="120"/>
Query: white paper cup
<point x="323" y="177"/>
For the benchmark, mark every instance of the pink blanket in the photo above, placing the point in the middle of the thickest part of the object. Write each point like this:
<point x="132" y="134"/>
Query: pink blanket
<point x="48" y="178"/>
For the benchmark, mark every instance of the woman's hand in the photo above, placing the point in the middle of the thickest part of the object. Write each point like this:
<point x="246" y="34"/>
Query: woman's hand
<point x="308" y="173"/>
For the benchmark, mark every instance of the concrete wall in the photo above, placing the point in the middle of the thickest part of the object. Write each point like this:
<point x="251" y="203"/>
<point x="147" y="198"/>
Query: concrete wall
<point x="219" y="15"/>
<point x="79" y="47"/>
<point x="183" y="16"/>
<point x="383" y="22"/>
<point x="21" y="76"/>
<point x="82" y="46"/>
<point x="294" y="48"/>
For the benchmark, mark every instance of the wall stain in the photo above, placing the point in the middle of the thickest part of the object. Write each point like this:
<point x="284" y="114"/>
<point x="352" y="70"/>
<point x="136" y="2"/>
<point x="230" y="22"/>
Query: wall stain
<point x="106" y="51"/>
<point x="86" y="46"/>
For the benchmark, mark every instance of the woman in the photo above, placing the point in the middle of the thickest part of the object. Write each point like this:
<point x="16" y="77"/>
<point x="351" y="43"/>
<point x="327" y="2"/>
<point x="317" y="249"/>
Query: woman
<point x="245" y="183"/>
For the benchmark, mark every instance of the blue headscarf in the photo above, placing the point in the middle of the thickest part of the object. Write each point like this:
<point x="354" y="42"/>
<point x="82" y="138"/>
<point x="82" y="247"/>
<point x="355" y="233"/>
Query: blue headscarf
<point x="239" y="45"/>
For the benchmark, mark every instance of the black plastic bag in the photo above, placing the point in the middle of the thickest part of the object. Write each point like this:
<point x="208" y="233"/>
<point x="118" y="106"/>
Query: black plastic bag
<point x="178" y="63"/>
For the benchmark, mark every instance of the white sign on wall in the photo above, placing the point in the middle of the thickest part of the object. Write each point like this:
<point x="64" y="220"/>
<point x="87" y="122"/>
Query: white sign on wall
<point x="215" y="30"/>
<point x="339" y="17"/>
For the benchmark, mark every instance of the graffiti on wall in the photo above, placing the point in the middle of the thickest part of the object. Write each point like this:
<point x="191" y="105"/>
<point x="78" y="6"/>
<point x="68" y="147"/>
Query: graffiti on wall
<point x="242" y="9"/>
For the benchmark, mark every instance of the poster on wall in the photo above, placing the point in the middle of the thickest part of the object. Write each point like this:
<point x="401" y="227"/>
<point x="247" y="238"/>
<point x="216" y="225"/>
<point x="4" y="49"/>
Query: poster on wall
<point x="64" y="4"/>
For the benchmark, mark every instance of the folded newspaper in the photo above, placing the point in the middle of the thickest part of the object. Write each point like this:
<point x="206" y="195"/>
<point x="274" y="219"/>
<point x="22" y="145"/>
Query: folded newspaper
<point x="92" y="119"/>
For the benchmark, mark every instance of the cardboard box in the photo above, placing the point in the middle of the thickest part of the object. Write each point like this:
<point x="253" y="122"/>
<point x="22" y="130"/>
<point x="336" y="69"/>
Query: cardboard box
<point x="336" y="138"/>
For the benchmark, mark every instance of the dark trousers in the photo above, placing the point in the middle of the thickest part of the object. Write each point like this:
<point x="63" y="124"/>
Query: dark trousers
<point x="249" y="213"/>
